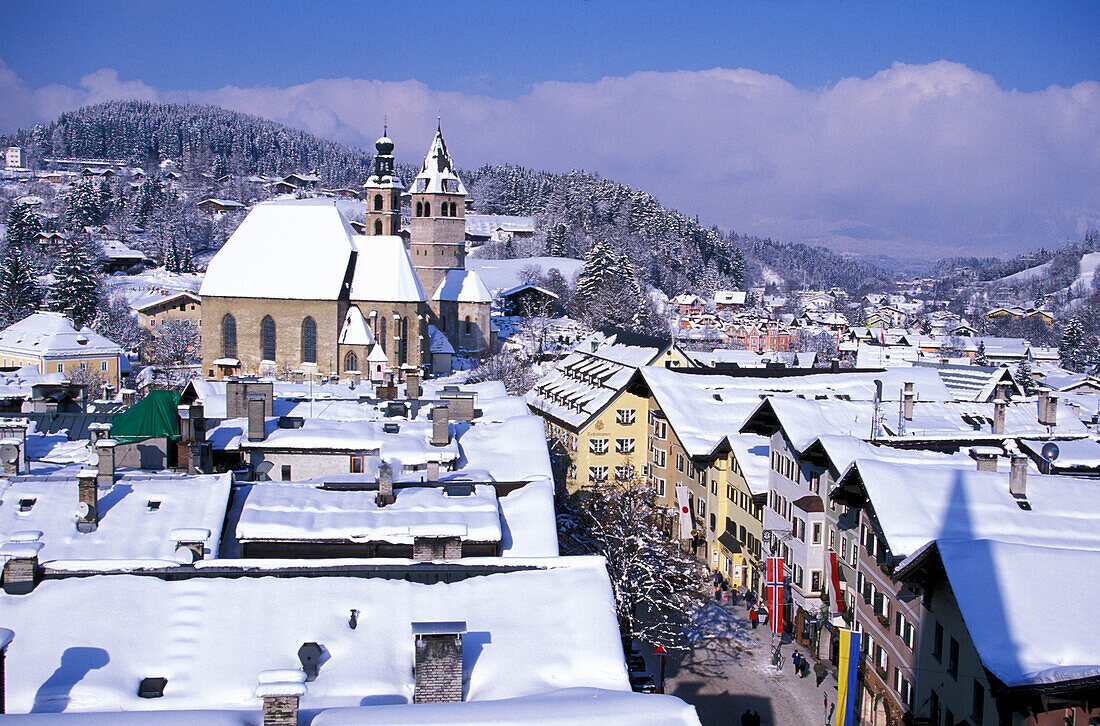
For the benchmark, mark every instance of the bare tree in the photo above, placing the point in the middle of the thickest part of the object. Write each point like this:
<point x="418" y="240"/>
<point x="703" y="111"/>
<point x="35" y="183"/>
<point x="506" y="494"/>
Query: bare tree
<point x="505" y="366"/>
<point x="178" y="342"/>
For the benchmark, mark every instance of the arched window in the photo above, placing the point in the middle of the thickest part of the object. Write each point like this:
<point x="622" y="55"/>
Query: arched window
<point x="443" y="323"/>
<point x="394" y="203"/>
<point x="267" y="338"/>
<point x="382" y="332"/>
<point x="309" y="341"/>
<point x="427" y="209"/>
<point x="454" y="210"/>
<point x="351" y="362"/>
<point x="229" y="336"/>
<point x="468" y="327"/>
<point x="378" y="202"/>
<point x="378" y="226"/>
<point x="419" y="209"/>
<point x="404" y="355"/>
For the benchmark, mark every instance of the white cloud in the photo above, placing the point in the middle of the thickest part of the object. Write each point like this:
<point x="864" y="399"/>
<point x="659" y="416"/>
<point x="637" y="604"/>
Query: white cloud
<point x="917" y="160"/>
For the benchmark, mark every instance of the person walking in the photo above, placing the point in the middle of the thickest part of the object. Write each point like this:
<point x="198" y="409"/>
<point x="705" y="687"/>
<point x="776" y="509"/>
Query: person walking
<point x="796" y="661"/>
<point x="755" y="718"/>
<point x="754" y="617"/>
<point x="819" y="672"/>
<point x="746" y="718"/>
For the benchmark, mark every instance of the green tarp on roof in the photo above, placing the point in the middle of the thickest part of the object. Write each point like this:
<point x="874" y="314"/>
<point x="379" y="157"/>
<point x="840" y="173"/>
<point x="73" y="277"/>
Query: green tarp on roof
<point x="151" y="417"/>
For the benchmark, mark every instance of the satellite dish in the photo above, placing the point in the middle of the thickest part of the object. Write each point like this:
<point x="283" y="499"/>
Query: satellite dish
<point x="9" y="454"/>
<point x="185" y="555"/>
<point x="1050" y="451"/>
<point x="82" y="510"/>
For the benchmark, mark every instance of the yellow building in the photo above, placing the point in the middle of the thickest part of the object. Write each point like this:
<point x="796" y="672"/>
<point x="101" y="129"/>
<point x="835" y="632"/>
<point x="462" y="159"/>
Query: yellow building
<point x="51" y="342"/>
<point x="156" y="309"/>
<point x="597" y="430"/>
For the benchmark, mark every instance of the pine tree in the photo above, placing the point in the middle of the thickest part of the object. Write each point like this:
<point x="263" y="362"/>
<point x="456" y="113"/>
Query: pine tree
<point x="76" y="284"/>
<point x="737" y="269"/>
<point x="1024" y="378"/>
<point x="187" y="262"/>
<point x="980" y="358"/>
<point x="23" y="225"/>
<point x="82" y="206"/>
<point x="171" y="257"/>
<point x="925" y="326"/>
<point x="555" y="241"/>
<point x="1072" y="350"/>
<point x="19" y="293"/>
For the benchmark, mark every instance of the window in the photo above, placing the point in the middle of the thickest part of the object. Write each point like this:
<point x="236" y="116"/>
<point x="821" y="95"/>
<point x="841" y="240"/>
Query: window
<point x="817" y="533"/>
<point x="977" y="704"/>
<point x="403" y="351"/>
<point x="597" y="446"/>
<point x="382" y="332"/>
<point x="267" y="338"/>
<point x="701" y="507"/>
<point x="597" y="473"/>
<point x="103" y="365"/>
<point x="659" y="458"/>
<point x="419" y="209"/>
<point x="679" y="462"/>
<point x="815" y="580"/>
<point x="881" y="659"/>
<point x="454" y="209"/>
<point x="953" y="659"/>
<point x="286" y="472"/>
<point x="903" y="687"/>
<point x="427" y="209"/>
<point x="713" y="522"/>
<point x="937" y="643"/>
<point x="903" y="629"/>
<point x="624" y="416"/>
<point x="659" y="486"/>
<point x="351" y="362"/>
<point x="624" y="472"/>
<point x="443" y="324"/>
<point x="467" y="328"/>
<point x="357" y="465"/>
<point x="624" y="446"/>
<point x="378" y="226"/>
<point x="309" y="341"/>
<point x="660" y="430"/>
<point x="377" y="202"/>
<point x="83" y="365"/>
<point x="844" y="549"/>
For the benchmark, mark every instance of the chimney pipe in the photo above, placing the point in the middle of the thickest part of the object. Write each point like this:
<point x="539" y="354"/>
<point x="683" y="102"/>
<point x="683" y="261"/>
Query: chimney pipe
<point x="385" y="485"/>
<point x="256" y="417"/>
<point x="908" y="399"/>
<point x="987" y="459"/>
<point x="88" y="495"/>
<point x="1017" y="478"/>
<point x="1044" y="406"/>
<point x="1052" y="410"/>
<point x="299" y="377"/>
<point x="1000" y="408"/>
<point x="106" y="450"/>
<point x="441" y="425"/>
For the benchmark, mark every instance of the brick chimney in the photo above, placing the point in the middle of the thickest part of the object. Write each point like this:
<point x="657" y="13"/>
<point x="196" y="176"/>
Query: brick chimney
<point x="1000" y="408"/>
<point x="441" y="424"/>
<point x="429" y="549"/>
<point x="88" y="494"/>
<point x="256" y="406"/>
<point x="281" y="690"/>
<point x="437" y="668"/>
<point x="20" y="573"/>
<point x="1017" y="477"/>
<point x="385" y="485"/>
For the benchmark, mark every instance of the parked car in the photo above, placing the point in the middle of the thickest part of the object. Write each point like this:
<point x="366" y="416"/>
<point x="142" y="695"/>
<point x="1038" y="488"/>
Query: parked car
<point x="642" y="683"/>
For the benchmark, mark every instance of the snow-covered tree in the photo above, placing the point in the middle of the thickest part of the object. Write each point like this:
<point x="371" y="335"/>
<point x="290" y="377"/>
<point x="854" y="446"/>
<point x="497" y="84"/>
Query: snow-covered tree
<point x="1072" y="349"/>
<point x="659" y="587"/>
<point x="925" y="326"/>
<point x="19" y="293"/>
<point x="737" y="269"/>
<point x="23" y="224"/>
<point x="1024" y="378"/>
<point x="505" y="366"/>
<point x="76" y="283"/>
<point x="555" y="240"/>
<point x="980" y="358"/>
<point x="85" y="205"/>
<point x="178" y="342"/>
<point x="115" y="321"/>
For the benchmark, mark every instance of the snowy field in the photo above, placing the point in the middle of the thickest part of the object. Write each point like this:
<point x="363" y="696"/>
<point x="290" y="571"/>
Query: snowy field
<point x="503" y="274"/>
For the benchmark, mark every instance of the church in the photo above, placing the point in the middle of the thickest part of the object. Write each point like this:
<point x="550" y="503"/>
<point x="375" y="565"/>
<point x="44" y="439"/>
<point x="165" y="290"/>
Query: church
<point x="297" y="288"/>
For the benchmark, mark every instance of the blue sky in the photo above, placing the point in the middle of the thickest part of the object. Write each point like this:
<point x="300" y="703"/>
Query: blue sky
<point x="502" y="48"/>
<point x="912" y="129"/>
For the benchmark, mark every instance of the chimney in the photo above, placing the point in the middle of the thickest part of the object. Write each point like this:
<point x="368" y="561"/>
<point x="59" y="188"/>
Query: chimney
<point x="106" y="450"/>
<point x="87" y="512"/>
<point x="437" y="664"/>
<point x="908" y="397"/>
<point x="986" y="457"/>
<point x="281" y="689"/>
<point x="6" y="636"/>
<point x="1001" y="392"/>
<point x="190" y="543"/>
<point x="385" y="485"/>
<point x="1017" y="477"/>
<point x="412" y="386"/>
<point x="1052" y="411"/>
<point x="299" y="376"/>
<point x="21" y="572"/>
<point x="433" y="471"/>
<point x="431" y="548"/>
<point x="357" y="378"/>
<point x="256" y="417"/>
<point x="128" y="396"/>
<point x="1000" y="408"/>
<point x="198" y="421"/>
<point x="97" y="431"/>
<point x="11" y="454"/>
<point x="441" y="425"/>
<point x="1044" y="406"/>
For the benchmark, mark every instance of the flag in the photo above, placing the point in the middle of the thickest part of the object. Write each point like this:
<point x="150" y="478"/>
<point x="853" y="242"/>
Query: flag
<point x="835" y="597"/>
<point x="774" y="585"/>
<point x="683" y="501"/>
<point x="846" y="678"/>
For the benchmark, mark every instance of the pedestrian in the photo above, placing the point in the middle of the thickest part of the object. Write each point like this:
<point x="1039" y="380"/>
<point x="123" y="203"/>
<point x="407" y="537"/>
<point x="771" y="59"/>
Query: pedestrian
<point x="746" y="718"/>
<point x="754" y="617"/>
<point x="796" y="661"/>
<point x="805" y="668"/>
<point x="755" y="718"/>
<point x="820" y="671"/>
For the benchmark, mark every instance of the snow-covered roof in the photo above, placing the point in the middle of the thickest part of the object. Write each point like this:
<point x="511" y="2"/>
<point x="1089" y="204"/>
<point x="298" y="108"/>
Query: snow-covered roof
<point x="438" y="342"/>
<point x="284" y="511"/>
<point x="383" y="271"/>
<point x="296" y="249"/>
<point x="1072" y="453"/>
<point x="527" y="286"/>
<point x="729" y="297"/>
<point x="462" y="286"/>
<point x="355" y="330"/>
<point x="20" y="383"/>
<point x="437" y="175"/>
<point x="53" y="335"/>
<point x="753" y="455"/>
<point x="523" y="627"/>
<point x="146" y="301"/>
<point x="130" y="532"/>
<point x="483" y="225"/>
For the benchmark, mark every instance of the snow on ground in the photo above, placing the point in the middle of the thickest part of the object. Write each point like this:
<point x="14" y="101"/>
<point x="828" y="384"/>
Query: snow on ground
<point x="1026" y="275"/>
<point x="135" y="287"/>
<point x="502" y="274"/>
<point x="1089" y="263"/>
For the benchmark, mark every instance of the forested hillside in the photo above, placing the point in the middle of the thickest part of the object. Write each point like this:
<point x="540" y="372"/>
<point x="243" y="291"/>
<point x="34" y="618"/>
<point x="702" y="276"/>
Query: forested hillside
<point x="667" y="249"/>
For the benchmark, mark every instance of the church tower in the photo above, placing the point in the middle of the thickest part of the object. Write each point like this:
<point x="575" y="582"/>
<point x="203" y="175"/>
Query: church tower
<point x="383" y="191"/>
<point x="437" y="241"/>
